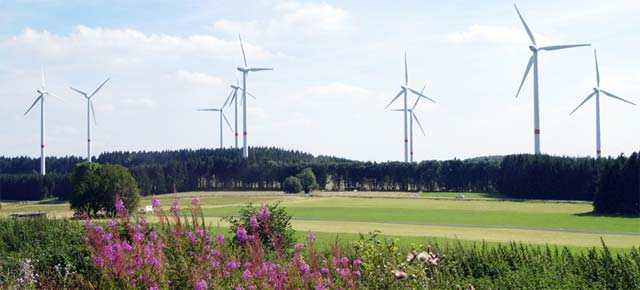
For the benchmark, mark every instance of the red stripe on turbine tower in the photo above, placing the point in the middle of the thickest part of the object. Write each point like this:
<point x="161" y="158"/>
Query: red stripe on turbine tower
<point x="405" y="140"/>
<point x="598" y="151"/>
<point x="244" y="133"/>
<point x="41" y="145"/>
<point x="536" y="131"/>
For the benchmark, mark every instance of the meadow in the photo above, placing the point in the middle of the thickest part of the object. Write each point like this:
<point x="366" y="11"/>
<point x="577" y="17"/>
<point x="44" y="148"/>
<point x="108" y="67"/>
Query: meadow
<point x="481" y="217"/>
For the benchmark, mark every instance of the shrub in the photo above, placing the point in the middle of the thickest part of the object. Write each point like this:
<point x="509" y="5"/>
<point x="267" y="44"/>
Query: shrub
<point x="270" y="223"/>
<point x="292" y="185"/>
<point x="44" y="253"/>
<point x="308" y="180"/>
<point x="96" y="186"/>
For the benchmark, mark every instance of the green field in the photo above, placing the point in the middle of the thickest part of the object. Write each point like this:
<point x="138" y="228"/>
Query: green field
<point x="570" y="224"/>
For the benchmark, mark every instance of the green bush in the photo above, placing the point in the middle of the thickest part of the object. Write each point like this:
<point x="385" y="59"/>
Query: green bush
<point x="278" y="219"/>
<point x="96" y="186"/>
<point x="292" y="185"/>
<point x="50" y="245"/>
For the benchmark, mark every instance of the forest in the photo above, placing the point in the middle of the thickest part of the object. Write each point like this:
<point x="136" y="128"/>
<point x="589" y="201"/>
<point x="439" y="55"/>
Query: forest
<point x="613" y="180"/>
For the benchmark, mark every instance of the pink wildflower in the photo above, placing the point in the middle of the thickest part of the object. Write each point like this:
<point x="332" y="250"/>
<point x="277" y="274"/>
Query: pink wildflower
<point x="264" y="214"/>
<point x="311" y="236"/>
<point x="155" y="202"/>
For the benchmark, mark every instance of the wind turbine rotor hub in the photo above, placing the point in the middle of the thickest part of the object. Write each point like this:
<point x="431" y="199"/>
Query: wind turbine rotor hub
<point x="243" y="69"/>
<point x="533" y="48"/>
<point x="596" y="90"/>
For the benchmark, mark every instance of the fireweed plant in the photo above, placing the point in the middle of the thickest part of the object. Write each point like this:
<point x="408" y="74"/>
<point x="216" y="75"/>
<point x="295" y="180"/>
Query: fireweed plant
<point x="179" y="252"/>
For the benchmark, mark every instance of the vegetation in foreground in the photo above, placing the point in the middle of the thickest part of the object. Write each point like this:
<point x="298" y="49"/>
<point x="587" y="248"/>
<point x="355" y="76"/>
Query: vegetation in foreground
<point x="180" y="253"/>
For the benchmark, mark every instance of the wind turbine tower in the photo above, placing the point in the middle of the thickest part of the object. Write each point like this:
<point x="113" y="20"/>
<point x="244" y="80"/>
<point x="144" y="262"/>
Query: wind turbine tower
<point x="596" y="92"/>
<point x="90" y="111"/>
<point x="245" y="72"/>
<point x="533" y="61"/>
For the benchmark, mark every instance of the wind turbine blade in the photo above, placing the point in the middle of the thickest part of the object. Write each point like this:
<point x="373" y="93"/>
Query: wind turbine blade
<point x="32" y="105"/>
<point x="228" y="98"/>
<point x="243" y="55"/>
<point x="557" y="47"/>
<point x="406" y="71"/>
<point x="226" y="120"/>
<point x="418" y="99"/>
<point x="233" y="98"/>
<point x="616" y="97"/>
<point x="418" y="122"/>
<point x="395" y="98"/>
<point x="585" y="100"/>
<point x="42" y="74"/>
<point x="79" y="92"/>
<point x="250" y="95"/>
<point x="211" y="110"/>
<point x="100" y="87"/>
<point x="526" y="72"/>
<point x="397" y="110"/>
<point x="260" y="68"/>
<point x="93" y="112"/>
<point x="595" y="55"/>
<point x="420" y="95"/>
<point x="59" y="98"/>
<point x="526" y="27"/>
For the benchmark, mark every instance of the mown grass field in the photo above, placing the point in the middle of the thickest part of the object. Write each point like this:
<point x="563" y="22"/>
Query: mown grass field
<point x="570" y="224"/>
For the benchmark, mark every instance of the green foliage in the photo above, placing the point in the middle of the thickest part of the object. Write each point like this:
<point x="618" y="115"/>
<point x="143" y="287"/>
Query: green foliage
<point x="96" y="186"/>
<point x="513" y="266"/>
<point x="49" y="244"/>
<point x="292" y="184"/>
<point x="279" y="222"/>
<point x="308" y="180"/>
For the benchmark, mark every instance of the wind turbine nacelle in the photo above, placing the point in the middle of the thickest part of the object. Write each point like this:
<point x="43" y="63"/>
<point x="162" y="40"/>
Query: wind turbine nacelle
<point x="597" y="90"/>
<point x="533" y="48"/>
<point x="234" y="87"/>
<point x="243" y="69"/>
<point x="41" y="91"/>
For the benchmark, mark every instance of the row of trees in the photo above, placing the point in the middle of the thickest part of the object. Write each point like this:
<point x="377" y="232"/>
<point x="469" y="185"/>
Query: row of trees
<point x="517" y="176"/>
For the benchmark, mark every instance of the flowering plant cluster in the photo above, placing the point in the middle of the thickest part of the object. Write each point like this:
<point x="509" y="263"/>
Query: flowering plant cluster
<point x="179" y="252"/>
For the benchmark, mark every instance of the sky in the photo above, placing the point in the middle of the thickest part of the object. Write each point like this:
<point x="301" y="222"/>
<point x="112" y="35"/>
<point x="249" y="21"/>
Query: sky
<point x="337" y="65"/>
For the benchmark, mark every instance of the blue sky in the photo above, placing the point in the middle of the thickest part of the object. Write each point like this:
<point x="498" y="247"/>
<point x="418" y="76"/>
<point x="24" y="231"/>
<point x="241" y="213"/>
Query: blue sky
<point x="337" y="64"/>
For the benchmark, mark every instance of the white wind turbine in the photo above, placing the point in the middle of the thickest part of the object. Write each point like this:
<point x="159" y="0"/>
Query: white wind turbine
<point x="234" y="99"/>
<point x="245" y="72"/>
<point x="412" y="116"/>
<point x="43" y="92"/>
<point x="596" y="92"/>
<point x="533" y="61"/>
<point x="403" y="90"/>
<point x="90" y="111"/>
<point x="221" y="117"/>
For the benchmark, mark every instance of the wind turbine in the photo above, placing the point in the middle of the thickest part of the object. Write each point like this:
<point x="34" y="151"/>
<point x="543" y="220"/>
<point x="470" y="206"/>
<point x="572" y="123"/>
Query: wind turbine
<point x="221" y="117"/>
<point x="596" y="92"/>
<point x="42" y="93"/>
<point x="234" y="99"/>
<point x="90" y="111"/>
<point x="403" y="90"/>
<point x="412" y="116"/>
<point x="533" y="61"/>
<point x="245" y="72"/>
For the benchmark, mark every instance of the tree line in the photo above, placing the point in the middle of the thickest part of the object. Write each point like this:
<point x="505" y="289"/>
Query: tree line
<point x="517" y="176"/>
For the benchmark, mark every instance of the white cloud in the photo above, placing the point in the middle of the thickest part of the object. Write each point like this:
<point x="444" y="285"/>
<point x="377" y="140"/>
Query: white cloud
<point x="313" y="17"/>
<point x="493" y="34"/>
<point x="124" y="46"/>
<point x="234" y="27"/>
<point x="198" y="78"/>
